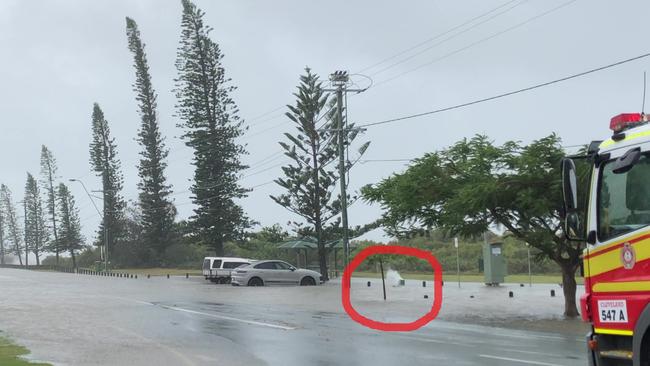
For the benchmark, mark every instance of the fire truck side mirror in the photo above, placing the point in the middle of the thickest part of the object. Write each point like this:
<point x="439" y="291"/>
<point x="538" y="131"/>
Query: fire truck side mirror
<point x="572" y="224"/>
<point x="569" y="185"/>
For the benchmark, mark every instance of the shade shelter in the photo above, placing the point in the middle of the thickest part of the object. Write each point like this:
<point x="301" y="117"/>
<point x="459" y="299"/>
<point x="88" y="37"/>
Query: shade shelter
<point x="303" y="243"/>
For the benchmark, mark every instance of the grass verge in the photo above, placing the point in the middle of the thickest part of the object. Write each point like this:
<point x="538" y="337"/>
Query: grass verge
<point x="10" y="354"/>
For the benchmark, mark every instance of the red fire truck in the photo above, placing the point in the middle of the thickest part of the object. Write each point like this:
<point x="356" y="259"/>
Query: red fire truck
<point x="614" y="221"/>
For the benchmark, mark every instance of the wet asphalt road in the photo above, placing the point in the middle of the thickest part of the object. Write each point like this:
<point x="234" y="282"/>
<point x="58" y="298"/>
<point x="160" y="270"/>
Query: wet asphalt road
<point x="68" y="319"/>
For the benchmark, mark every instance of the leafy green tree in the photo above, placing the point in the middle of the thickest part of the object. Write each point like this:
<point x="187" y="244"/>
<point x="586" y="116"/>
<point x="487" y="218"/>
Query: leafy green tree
<point x="70" y="231"/>
<point x="158" y="212"/>
<point x="474" y="184"/>
<point x="36" y="233"/>
<point x="13" y="227"/>
<point x="48" y="178"/>
<point x="263" y="244"/>
<point x="211" y="128"/>
<point x="104" y="161"/>
<point x="311" y="178"/>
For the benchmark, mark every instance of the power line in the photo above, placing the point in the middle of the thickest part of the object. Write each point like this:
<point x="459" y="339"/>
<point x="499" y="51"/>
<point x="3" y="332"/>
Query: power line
<point x="485" y="39"/>
<point x="265" y="114"/>
<point x="450" y="37"/>
<point x="262" y="184"/>
<point x="437" y="36"/>
<point x="363" y="161"/>
<point x="394" y="56"/>
<point x="264" y="170"/>
<point x="462" y="105"/>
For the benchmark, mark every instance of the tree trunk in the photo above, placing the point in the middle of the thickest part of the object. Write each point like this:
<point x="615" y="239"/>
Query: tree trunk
<point x="322" y="260"/>
<point x="218" y="248"/>
<point x="74" y="260"/>
<point x="20" y="255"/>
<point x="322" y="252"/>
<point x="569" y="288"/>
<point x="2" y="248"/>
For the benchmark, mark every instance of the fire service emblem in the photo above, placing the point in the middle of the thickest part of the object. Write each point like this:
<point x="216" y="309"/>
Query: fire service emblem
<point x="628" y="257"/>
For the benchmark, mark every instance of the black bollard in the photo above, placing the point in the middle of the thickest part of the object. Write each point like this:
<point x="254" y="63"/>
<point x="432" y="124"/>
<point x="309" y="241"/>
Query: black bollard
<point x="187" y="275"/>
<point x="442" y="283"/>
<point x="511" y="294"/>
<point x="368" y="283"/>
<point x="424" y="283"/>
<point x="148" y="276"/>
<point x="521" y="285"/>
<point x="471" y="296"/>
<point x="426" y="296"/>
<point x="167" y="275"/>
<point x="136" y="277"/>
<point x="552" y="293"/>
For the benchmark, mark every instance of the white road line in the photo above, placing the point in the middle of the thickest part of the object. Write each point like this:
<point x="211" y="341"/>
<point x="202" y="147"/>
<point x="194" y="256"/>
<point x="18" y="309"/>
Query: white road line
<point x="528" y="362"/>
<point x="252" y="322"/>
<point x="522" y="351"/>
<point x="431" y="340"/>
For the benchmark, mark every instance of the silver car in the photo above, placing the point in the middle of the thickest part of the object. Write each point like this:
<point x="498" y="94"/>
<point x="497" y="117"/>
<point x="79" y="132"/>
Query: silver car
<point x="273" y="272"/>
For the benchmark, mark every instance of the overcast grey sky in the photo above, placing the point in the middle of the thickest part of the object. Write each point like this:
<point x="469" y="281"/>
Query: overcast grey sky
<point x="58" y="57"/>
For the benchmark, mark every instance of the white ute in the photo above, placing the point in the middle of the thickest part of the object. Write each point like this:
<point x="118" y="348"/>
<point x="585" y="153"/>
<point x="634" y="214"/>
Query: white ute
<point x="218" y="269"/>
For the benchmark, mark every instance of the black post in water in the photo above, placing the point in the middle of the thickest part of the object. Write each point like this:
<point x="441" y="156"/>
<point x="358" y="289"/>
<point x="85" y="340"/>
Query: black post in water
<point x="383" y="282"/>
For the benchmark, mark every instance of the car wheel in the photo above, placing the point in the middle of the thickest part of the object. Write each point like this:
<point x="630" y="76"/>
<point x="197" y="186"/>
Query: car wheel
<point x="307" y="281"/>
<point x="255" y="281"/>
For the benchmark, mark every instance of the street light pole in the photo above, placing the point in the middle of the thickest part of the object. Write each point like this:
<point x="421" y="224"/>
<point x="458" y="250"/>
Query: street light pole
<point x="530" y="276"/>
<point x="103" y="219"/>
<point x="457" y="260"/>
<point x="339" y="80"/>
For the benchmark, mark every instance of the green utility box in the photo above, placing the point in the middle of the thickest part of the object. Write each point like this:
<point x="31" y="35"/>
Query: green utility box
<point x="99" y="266"/>
<point x="494" y="264"/>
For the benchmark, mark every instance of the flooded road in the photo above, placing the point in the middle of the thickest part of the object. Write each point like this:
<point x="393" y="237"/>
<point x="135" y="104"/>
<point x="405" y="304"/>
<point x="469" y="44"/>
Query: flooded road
<point x="69" y="319"/>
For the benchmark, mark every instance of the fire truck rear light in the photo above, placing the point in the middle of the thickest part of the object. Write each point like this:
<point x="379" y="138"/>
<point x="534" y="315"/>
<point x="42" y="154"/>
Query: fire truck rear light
<point x="592" y="344"/>
<point x="625" y="120"/>
<point x="584" y="307"/>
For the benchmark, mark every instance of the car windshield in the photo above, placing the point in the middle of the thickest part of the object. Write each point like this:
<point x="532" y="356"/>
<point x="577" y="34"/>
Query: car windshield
<point x="623" y="199"/>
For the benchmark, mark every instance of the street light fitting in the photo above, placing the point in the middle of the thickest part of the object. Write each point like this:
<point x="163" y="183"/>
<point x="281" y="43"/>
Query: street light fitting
<point x="339" y="78"/>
